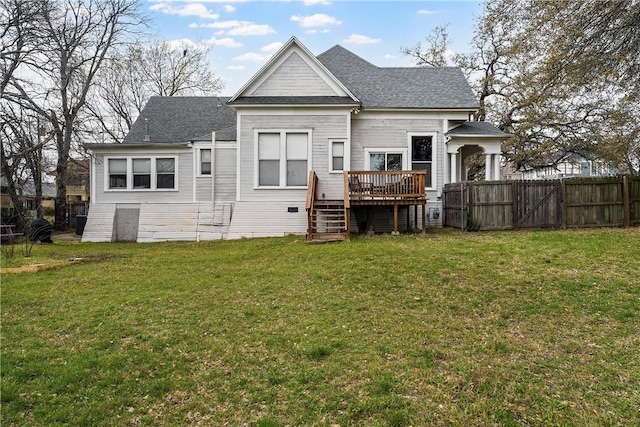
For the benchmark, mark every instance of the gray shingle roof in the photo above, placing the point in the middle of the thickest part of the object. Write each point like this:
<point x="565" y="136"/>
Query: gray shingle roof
<point x="477" y="129"/>
<point x="413" y="87"/>
<point x="184" y="118"/>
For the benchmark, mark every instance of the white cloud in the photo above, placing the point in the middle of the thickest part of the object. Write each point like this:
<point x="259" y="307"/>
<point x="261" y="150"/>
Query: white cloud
<point x="219" y="24"/>
<point x="252" y="56"/>
<point x="426" y="12"/>
<point x="325" y="31"/>
<point x="251" y="29"/>
<point x="191" y="9"/>
<point x="273" y="47"/>
<point x="317" y="20"/>
<point x="236" y="67"/>
<point x="360" y="39"/>
<point x="390" y="56"/>
<point x="228" y="8"/>
<point x="314" y="2"/>
<point x="237" y="28"/>
<point x="224" y="42"/>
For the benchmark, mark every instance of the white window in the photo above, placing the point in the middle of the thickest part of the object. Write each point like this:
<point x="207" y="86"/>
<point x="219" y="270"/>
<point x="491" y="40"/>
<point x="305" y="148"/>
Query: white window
<point x="423" y="153"/>
<point x="117" y="171"/>
<point x="282" y="158"/>
<point x="205" y="161"/>
<point x="297" y="159"/>
<point x="141" y="173"/>
<point x="166" y="173"/>
<point x="336" y="156"/>
<point x="385" y="159"/>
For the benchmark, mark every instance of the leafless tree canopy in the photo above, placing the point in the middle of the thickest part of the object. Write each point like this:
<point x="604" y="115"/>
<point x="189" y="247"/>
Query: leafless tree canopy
<point x="144" y="70"/>
<point x="563" y="77"/>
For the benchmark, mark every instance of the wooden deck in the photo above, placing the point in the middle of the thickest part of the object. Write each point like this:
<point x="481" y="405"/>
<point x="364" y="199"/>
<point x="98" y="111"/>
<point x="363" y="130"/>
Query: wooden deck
<point x="364" y="189"/>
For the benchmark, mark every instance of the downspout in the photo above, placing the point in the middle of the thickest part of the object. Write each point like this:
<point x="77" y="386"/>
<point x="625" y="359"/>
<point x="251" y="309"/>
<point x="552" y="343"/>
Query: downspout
<point x="213" y="169"/>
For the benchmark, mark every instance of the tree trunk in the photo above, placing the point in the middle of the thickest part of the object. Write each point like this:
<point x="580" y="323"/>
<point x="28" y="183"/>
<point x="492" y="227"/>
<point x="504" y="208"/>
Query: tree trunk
<point x="63" y="140"/>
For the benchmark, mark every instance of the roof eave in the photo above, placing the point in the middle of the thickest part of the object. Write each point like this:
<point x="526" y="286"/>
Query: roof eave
<point x="116" y="146"/>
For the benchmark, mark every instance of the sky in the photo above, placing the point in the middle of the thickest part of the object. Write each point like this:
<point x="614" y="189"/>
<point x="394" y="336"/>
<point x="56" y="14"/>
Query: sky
<point x="244" y="34"/>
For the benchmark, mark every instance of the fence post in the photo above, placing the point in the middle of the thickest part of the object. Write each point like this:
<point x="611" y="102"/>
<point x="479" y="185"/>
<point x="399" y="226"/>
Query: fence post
<point x="514" y="206"/>
<point x="627" y="203"/>
<point x="563" y="211"/>
<point x="462" y="206"/>
<point x="470" y="204"/>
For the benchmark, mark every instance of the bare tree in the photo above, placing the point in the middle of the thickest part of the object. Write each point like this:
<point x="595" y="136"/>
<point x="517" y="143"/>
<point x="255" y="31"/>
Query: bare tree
<point x="434" y="52"/>
<point x="142" y="71"/>
<point x="18" y="35"/>
<point x="76" y="37"/>
<point x="23" y="143"/>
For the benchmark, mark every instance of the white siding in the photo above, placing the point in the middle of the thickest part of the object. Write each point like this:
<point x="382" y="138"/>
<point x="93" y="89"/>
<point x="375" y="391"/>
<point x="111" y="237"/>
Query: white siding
<point x="325" y="126"/>
<point x="225" y="170"/>
<point x="391" y="131"/>
<point x="99" y="226"/>
<point x="294" y="77"/>
<point x="263" y="219"/>
<point x="188" y="221"/>
<point x="203" y="189"/>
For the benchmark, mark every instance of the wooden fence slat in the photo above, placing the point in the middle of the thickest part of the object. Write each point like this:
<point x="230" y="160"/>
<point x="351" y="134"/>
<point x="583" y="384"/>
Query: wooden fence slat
<point x="578" y="202"/>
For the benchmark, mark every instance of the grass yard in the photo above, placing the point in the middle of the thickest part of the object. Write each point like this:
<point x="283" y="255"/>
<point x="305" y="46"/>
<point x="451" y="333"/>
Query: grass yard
<point x="449" y="328"/>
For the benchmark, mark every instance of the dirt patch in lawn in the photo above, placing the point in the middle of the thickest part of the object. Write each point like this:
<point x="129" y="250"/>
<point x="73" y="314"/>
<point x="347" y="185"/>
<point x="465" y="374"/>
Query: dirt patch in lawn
<point x="32" y="268"/>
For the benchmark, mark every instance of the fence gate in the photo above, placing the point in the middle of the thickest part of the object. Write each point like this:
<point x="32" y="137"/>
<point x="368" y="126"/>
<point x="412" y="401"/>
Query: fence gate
<point x="537" y="204"/>
<point x="455" y="205"/>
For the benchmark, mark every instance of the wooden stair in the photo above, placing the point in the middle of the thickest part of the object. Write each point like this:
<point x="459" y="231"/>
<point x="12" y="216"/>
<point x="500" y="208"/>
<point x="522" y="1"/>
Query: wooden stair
<point x="327" y="222"/>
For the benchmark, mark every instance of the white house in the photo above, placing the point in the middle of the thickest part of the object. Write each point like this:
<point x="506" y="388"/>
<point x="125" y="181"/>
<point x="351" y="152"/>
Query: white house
<point x="311" y="144"/>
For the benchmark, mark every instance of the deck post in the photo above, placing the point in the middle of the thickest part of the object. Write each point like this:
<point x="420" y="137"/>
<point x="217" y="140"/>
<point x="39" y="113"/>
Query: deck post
<point x="424" y="217"/>
<point x="395" y="219"/>
<point x="370" y="222"/>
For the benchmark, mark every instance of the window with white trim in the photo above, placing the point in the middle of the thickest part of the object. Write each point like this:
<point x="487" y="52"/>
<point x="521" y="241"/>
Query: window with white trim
<point x="166" y="173"/>
<point x="283" y="158"/>
<point x="205" y="161"/>
<point x="141" y="173"/>
<point x="117" y="171"/>
<point x="385" y="159"/>
<point x="337" y="156"/>
<point x="423" y="152"/>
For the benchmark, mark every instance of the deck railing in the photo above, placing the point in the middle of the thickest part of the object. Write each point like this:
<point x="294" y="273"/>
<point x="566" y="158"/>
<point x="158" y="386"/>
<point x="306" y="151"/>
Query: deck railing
<point x="385" y="185"/>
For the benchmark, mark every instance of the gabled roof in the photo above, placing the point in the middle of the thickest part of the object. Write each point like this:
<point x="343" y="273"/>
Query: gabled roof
<point x="477" y="129"/>
<point x="174" y="119"/>
<point x="334" y="88"/>
<point x="408" y="87"/>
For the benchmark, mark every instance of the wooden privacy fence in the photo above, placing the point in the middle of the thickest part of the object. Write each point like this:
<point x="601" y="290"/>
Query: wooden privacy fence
<point x="569" y="202"/>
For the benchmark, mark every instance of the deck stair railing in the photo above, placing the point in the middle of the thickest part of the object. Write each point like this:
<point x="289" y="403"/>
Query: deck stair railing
<point x="327" y="220"/>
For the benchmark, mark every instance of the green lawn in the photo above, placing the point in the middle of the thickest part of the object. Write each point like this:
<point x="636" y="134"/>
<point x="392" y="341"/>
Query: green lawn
<point x="449" y="328"/>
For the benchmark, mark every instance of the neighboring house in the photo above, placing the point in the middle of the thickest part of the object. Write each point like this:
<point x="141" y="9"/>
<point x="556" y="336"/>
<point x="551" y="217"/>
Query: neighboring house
<point x="570" y="167"/>
<point x="78" y="180"/>
<point x="27" y="197"/>
<point x="317" y="145"/>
